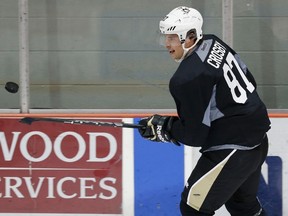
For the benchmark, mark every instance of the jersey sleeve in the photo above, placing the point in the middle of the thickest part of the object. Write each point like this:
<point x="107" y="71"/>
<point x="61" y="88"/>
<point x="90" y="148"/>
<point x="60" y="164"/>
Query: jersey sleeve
<point x="193" y="99"/>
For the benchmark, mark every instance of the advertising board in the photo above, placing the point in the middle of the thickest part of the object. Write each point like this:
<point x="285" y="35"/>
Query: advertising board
<point x="52" y="169"/>
<point x="49" y="167"/>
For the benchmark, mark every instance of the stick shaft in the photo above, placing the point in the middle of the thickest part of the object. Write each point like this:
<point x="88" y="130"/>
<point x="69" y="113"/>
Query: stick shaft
<point x="30" y="120"/>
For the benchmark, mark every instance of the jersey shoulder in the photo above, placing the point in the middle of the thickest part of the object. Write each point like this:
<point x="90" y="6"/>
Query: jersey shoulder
<point x="197" y="64"/>
<point x="212" y="51"/>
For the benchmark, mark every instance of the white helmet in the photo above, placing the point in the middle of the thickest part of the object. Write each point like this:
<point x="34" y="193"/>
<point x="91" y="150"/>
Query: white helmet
<point x="182" y="20"/>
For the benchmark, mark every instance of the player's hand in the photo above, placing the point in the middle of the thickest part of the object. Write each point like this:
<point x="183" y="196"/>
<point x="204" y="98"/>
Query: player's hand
<point x="156" y="128"/>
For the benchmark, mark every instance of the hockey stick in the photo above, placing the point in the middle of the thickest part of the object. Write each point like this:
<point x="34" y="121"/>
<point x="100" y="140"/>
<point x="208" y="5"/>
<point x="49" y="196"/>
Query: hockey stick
<point x="30" y="120"/>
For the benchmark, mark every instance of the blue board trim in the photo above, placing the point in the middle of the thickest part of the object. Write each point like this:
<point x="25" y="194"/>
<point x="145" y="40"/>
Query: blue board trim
<point x="159" y="177"/>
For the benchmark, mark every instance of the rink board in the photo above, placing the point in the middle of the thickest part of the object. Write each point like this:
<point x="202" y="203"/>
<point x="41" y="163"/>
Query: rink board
<point x="58" y="169"/>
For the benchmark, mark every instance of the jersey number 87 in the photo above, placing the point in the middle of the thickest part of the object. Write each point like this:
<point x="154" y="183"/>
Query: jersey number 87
<point x="238" y="92"/>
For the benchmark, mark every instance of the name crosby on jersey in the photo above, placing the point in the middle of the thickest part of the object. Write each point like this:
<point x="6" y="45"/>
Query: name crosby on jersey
<point x="216" y="55"/>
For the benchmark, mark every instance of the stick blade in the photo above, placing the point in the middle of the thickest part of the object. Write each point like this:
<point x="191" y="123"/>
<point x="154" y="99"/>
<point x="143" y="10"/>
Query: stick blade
<point x="27" y="120"/>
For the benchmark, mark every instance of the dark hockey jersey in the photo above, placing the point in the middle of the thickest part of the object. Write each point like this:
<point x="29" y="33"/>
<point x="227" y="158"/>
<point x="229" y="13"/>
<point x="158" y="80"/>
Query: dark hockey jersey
<point x="216" y="100"/>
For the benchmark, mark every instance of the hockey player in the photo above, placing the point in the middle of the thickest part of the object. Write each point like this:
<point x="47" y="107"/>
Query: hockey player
<point x="218" y="110"/>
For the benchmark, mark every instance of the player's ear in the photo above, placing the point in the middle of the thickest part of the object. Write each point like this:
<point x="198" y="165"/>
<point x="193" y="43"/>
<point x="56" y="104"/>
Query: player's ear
<point x="190" y="38"/>
<point x="191" y="34"/>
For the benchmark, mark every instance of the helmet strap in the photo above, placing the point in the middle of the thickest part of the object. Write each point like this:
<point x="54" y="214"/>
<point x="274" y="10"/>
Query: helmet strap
<point x="186" y="50"/>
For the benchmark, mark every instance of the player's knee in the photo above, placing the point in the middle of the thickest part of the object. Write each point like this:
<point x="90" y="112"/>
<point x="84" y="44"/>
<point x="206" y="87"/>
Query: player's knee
<point x="252" y="208"/>
<point x="187" y="210"/>
<point x="261" y="213"/>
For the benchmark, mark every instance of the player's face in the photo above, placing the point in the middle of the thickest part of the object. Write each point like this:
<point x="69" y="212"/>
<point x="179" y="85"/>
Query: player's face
<point x="174" y="46"/>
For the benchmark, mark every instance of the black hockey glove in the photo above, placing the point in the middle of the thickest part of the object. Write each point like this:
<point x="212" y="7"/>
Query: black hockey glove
<point x="156" y="128"/>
